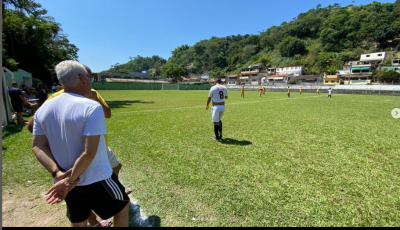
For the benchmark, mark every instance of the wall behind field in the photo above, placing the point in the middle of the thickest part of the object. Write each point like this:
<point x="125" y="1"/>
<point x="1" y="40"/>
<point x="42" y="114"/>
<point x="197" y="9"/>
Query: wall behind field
<point x="146" y="86"/>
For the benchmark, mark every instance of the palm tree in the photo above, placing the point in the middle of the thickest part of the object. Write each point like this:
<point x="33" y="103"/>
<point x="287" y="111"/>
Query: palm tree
<point x="332" y="69"/>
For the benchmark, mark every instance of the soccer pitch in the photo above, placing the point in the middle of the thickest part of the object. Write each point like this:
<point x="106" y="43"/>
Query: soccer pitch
<point x="307" y="160"/>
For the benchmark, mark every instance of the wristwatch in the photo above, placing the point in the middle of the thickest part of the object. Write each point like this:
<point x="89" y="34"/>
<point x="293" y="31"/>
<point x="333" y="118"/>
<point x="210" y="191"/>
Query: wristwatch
<point x="55" y="172"/>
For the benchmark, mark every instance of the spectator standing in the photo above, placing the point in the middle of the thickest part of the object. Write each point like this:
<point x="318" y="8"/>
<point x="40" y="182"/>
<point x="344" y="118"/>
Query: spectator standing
<point x="41" y="94"/>
<point x="68" y="136"/>
<point x="18" y="102"/>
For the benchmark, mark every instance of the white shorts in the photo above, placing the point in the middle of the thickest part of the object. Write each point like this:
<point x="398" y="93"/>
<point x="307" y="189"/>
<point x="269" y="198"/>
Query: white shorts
<point x="217" y="112"/>
<point x="112" y="158"/>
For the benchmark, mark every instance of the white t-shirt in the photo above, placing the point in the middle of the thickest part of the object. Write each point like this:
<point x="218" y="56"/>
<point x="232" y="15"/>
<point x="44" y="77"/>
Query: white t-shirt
<point x="218" y="93"/>
<point x="329" y="91"/>
<point x="65" y="121"/>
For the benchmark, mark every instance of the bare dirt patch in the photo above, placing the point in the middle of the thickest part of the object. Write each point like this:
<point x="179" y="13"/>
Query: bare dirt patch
<point x="27" y="207"/>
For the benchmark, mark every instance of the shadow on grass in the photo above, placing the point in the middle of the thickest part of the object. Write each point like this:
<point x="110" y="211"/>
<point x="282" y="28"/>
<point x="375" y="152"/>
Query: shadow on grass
<point x="135" y="219"/>
<point x="124" y="104"/>
<point x="229" y="141"/>
<point x="12" y="130"/>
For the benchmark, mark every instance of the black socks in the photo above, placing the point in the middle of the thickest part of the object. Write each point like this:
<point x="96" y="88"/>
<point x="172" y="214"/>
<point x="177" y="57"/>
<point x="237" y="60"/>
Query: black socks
<point x="218" y="131"/>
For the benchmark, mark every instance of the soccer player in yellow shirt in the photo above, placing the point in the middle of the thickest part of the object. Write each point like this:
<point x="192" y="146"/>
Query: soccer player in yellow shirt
<point x="288" y="91"/>
<point x="260" y="90"/>
<point x="317" y="91"/>
<point x="300" y="90"/>
<point x="263" y="90"/>
<point x="242" y="92"/>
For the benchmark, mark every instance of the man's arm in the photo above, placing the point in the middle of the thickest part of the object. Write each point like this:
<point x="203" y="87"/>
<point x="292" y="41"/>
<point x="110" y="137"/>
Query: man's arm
<point x="41" y="149"/>
<point x="81" y="164"/>
<point x="24" y="101"/>
<point x="106" y="108"/>
<point x="208" y="102"/>
<point x="30" y="124"/>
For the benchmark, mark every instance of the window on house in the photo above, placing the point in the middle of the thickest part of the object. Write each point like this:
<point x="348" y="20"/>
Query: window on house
<point x="368" y="55"/>
<point x="379" y="55"/>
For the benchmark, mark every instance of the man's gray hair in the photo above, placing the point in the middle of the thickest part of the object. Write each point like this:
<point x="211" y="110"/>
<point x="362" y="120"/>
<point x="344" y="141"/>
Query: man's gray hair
<point x="67" y="72"/>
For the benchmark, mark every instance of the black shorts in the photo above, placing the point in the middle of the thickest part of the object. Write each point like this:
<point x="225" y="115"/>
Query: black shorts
<point x="18" y="108"/>
<point x="106" y="198"/>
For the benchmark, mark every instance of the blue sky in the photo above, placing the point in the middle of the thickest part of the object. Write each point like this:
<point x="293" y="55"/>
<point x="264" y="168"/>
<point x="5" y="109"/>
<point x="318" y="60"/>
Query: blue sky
<point x="108" y="32"/>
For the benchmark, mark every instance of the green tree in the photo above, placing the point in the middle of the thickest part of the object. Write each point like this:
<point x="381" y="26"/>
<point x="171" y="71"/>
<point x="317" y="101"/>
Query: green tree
<point x="33" y="41"/>
<point x="291" y="46"/>
<point x="122" y="70"/>
<point x="386" y="76"/>
<point x="175" y="73"/>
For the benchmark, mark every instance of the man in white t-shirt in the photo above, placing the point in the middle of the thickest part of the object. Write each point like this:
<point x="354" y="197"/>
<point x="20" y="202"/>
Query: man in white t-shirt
<point x="69" y="137"/>
<point x="218" y="94"/>
<point x="330" y="93"/>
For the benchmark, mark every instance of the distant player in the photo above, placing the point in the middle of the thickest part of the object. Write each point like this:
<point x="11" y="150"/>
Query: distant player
<point x="260" y="90"/>
<point x="300" y="90"/>
<point x="330" y="92"/>
<point x="317" y="91"/>
<point x="242" y="92"/>
<point x="218" y="94"/>
<point x="263" y="90"/>
<point x="288" y="91"/>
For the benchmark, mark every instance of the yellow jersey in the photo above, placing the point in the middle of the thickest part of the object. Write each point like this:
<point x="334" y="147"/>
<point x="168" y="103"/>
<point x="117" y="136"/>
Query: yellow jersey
<point x="242" y="90"/>
<point x="288" y="91"/>
<point x="260" y="90"/>
<point x="59" y="88"/>
<point x="102" y="101"/>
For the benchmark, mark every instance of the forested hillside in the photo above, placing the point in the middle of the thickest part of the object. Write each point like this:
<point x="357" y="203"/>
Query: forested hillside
<point x="323" y="39"/>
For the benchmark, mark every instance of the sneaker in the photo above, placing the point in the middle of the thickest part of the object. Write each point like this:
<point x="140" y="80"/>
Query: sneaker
<point x="215" y="139"/>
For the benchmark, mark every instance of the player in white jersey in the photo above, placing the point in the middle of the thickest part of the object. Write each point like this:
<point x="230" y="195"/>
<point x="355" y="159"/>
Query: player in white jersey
<point x="330" y="92"/>
<point x="218" y="94"/>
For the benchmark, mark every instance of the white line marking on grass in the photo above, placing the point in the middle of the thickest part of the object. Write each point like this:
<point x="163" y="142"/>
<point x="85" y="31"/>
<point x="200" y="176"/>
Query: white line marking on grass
<point x="229" y="104"/>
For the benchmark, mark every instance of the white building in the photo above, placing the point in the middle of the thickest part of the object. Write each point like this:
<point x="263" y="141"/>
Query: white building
<point x="373" y="58"/>
<point x="295" y="70"/>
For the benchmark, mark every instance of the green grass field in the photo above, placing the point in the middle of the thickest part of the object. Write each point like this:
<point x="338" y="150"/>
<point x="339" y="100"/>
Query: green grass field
<point x="304" y="161"/>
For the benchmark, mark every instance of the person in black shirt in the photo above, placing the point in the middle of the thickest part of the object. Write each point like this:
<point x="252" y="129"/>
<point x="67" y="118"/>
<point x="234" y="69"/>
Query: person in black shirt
<point x="42" y="94"/>
<point x="18" y="102"/>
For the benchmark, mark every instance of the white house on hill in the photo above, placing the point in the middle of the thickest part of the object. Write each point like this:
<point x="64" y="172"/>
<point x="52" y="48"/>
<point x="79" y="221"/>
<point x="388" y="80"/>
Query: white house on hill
<point x="295" y="70"/>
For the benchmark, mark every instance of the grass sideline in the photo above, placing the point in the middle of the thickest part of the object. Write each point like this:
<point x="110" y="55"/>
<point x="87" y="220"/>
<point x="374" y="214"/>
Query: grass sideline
<point x="303" y="161"/>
